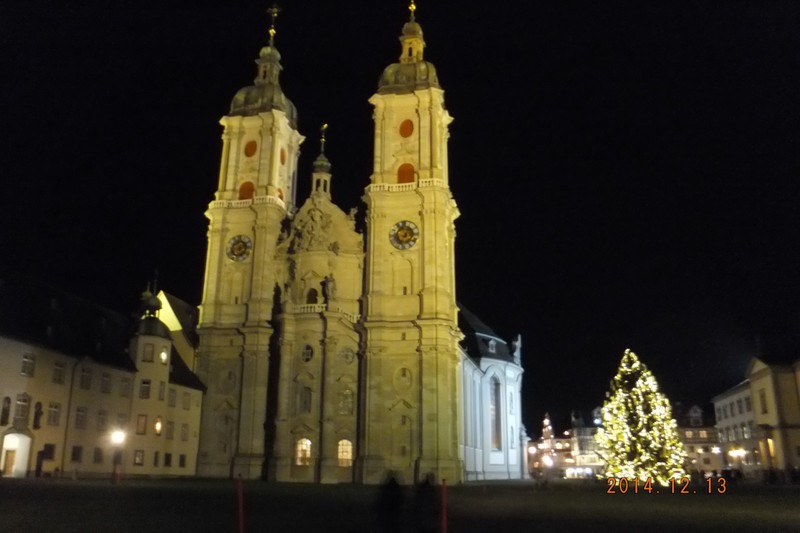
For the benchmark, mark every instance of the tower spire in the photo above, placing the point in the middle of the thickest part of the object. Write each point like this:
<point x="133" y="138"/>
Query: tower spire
<point x="411" y="8"/>
<point x="321" y="169"/>
<point x="273" y="13"/>
<point x="322" y="139"/>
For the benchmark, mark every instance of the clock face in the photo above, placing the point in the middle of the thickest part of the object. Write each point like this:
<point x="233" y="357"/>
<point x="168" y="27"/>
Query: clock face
<point x="239" y="248"/>
<point x="404" y="235"/>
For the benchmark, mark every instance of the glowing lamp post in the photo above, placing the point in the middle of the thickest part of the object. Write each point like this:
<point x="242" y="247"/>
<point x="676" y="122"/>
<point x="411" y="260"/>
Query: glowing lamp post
<point x="117" y="440"/>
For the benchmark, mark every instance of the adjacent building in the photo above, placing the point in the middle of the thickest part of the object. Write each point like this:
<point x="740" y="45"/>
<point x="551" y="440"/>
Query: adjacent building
<point x="72" y="373"/>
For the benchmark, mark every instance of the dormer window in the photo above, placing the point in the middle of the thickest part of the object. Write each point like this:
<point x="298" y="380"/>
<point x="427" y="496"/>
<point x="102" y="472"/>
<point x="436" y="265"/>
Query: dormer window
<point x="492" y="346"/>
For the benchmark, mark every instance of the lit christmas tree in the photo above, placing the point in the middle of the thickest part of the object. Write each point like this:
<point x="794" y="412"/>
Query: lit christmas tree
<point x="639" y="437"/>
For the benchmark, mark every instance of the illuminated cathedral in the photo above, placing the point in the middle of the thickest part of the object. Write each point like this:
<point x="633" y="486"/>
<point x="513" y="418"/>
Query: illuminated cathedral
<point x="332" y="355"/>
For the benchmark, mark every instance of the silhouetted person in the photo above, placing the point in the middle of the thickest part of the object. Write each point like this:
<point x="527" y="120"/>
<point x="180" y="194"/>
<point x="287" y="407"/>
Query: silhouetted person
<point x="389" y="507"/>
<point x="426" y="505"/>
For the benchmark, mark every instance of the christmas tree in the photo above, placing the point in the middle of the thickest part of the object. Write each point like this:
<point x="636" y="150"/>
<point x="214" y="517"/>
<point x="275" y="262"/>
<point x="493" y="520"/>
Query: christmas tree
<point x="639" y="437"/>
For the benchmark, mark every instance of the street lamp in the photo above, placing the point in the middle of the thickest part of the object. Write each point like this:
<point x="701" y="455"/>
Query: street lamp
<point x="117" y="440"/>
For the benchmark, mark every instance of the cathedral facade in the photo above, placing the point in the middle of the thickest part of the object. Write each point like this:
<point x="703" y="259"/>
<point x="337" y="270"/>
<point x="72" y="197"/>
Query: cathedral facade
<point x="332" y="355"/>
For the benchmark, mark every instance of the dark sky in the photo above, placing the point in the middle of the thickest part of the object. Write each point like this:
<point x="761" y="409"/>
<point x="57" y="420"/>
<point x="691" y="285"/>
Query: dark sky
<point x="627" y="172"/>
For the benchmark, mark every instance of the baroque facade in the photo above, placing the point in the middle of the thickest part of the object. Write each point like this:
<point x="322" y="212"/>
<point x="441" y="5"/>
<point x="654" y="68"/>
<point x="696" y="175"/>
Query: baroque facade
<point x="332" y="355"/>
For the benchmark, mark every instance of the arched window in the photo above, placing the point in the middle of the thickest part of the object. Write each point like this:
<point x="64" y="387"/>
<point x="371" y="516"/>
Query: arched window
<point x="346" y="402"/>
<point x="6" y="411"/>
<point x="406" y="173"/>
<point x="246" y="190"/>
<point x="312" y="296"/>
<point x="345" y="453"/>
<point x="492" y="346"/>
<point x="495" y="421"/>
<point x="302" y="452"/>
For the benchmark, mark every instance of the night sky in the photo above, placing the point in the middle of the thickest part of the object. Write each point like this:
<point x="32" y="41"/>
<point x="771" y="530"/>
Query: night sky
<point x="627" y="172"/>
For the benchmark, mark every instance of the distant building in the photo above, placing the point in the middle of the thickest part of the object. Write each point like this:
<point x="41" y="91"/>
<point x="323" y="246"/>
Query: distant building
<point x="699" y="437"/>
<point x="72" y="372"/>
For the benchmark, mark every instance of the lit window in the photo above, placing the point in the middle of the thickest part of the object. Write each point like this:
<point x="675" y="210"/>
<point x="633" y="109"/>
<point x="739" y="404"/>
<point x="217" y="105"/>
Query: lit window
<point x="28" y="365"/>
<point x="345" y="453"/>
<point x="158" y="426"/>
<point x="147" y="353"/>
<point x="164" y="355"/>
<point x="54" y="414"/>
<point x="86" y="378"/>
<point x="144" y="389"/>
<point x="689" y="434"/>
<point x="81" y="414"/>
<point x="703" y="434"/>
<point x="105" y="382"/>
<point x="303" y="452"/>
<point x="59" y="371"/>
<point x="138" y="457"/>
<point x="745" y="431"/>
<point x="494" y="414"/>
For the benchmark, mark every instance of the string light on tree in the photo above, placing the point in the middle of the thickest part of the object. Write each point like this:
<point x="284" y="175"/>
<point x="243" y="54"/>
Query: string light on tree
<point x="639" y="437"/>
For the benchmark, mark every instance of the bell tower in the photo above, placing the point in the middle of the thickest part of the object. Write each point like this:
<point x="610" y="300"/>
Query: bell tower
<point x="411" y="388"/>
<point x="255" y="193"/>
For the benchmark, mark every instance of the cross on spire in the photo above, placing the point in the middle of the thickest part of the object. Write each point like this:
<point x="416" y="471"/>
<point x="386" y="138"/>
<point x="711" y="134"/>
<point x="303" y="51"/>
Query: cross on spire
<point x="412" y="7"/>
<point x="322" y="138"/>
<point x="273" y="13"/>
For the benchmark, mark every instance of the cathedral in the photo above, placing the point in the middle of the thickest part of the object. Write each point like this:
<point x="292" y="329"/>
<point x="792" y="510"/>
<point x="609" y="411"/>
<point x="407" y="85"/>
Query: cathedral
<point x="332" y="355"/>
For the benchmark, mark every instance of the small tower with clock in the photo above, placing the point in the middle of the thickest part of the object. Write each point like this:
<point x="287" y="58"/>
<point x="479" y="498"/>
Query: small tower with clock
<point x="256" y="191"/>
<point x="411" y="385"/>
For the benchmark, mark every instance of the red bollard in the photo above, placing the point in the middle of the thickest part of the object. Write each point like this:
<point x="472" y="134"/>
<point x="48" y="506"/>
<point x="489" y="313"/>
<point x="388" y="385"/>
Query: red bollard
<point x="240" y="503"/>
<point x="444" y="505"/>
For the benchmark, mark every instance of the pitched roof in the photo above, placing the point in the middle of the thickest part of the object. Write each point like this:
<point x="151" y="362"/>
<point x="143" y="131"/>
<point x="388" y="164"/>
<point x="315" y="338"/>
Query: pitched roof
<point x="478" y="338"/>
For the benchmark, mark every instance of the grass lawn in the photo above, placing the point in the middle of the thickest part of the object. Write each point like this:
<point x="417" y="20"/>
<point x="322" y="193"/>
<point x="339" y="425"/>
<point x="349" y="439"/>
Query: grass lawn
<point x="210" y="506"/>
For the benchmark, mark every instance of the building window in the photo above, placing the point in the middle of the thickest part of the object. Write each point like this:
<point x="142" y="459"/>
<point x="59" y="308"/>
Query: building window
<point x="147" y="353"/>
<point x="6" y="411"/>
<point x="406" y="173"/>
<point x="102" y="420"/>
<point x="37" y="415"/>
<point x="59" y="372"/>
<point x="54" y="414"/>
<point x="302" y="452"/>
<point x="77" y="454"/>
<point x="184" y="432"/>
<point x="81" y="414"/>
<point x="745" y="431"/>
<point x="304" y="399"/>
<point x="511" y="403"/>
<point x="167" y="459"/>
<point x="186" y="401"/>
<point x="492" y="346"/>
<point x="28" y="365"/>
<point x="312" y="296"/>
<point x="346" y="402"/>
<point x="703" y="434"/>
<point x="144" y="389"/>
<point x="748" y="406"/>
<point x="689" y="434"/>
<point x="162" y="387"/>
<point x="762" y="398"/>
<point x="105" y="382"/>
<point x="345" y="453"/>
<point x="511" y="440"/>
<point x="125" y="387"/>
<point x="719" y="413"/>
<point x="86" y="378"/>
<point x="170" y="430"/>
<point x="138" y="457"/>
<point x="308" y="353"/>
<point x="172" y="398"/>
<point x="141" y="424"/>
<point x="155" y="458"/>
<point x="182" y="460"/>
<point x="724" y="411"/>
<point x="494" y="414"/>
<point x="798" y="451"/>
<point x="22" y="409"/>
<point x="98" y="456"/>
<point x="739" y="406"/>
